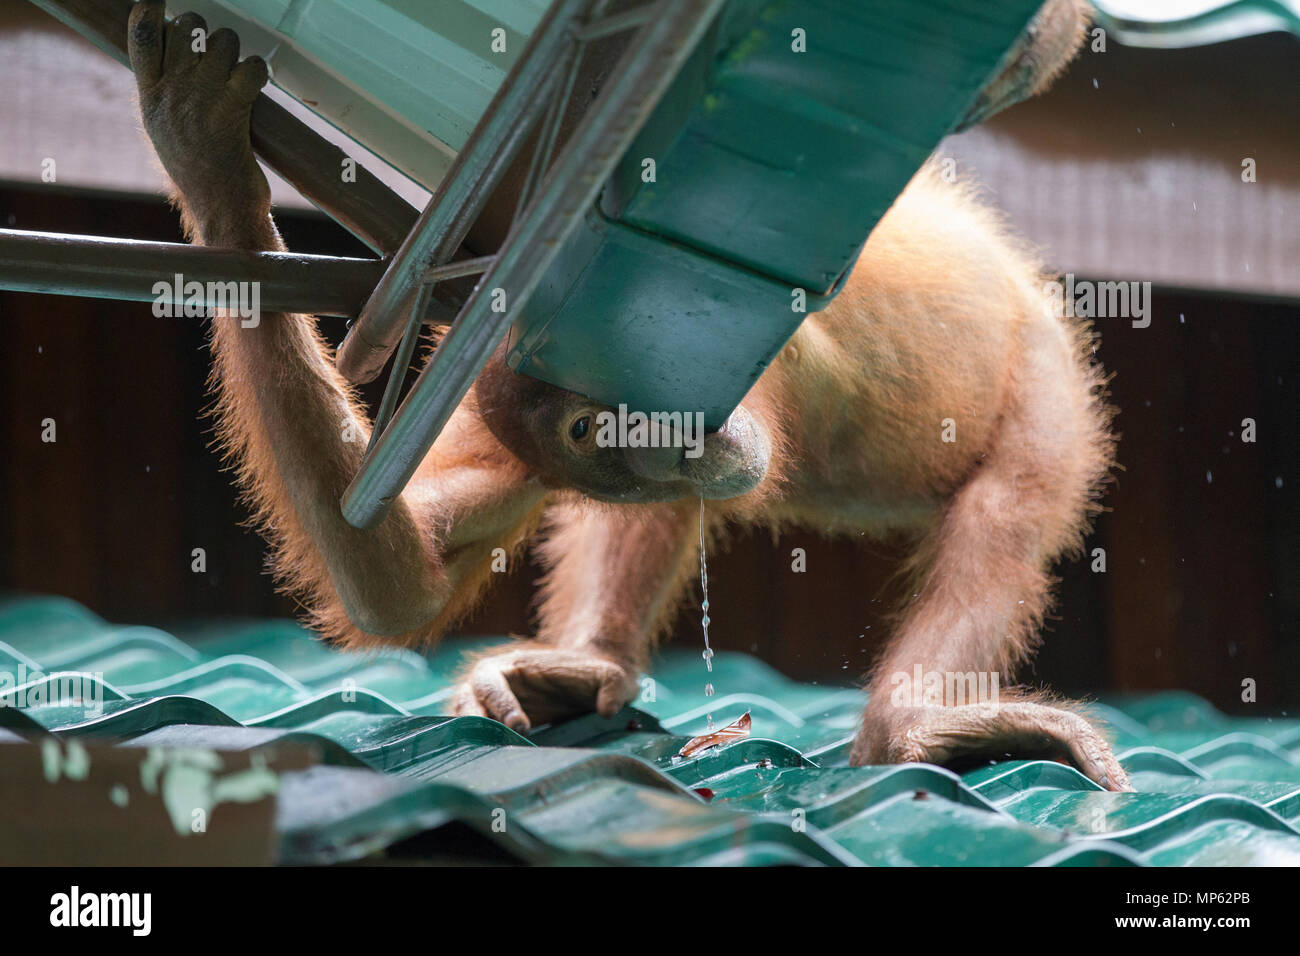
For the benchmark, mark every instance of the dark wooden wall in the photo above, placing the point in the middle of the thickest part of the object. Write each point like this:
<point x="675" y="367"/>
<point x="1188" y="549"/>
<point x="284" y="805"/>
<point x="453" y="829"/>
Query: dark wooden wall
<point x="1202" y="537"/>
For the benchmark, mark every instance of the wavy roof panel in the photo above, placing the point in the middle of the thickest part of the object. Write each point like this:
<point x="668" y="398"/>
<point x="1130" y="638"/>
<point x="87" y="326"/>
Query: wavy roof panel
<point x="1211" y="789"/>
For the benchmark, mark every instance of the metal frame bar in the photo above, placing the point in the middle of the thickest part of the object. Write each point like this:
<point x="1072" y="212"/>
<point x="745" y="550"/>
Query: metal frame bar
<point x="617" y="23"/>
<point x="397" y="293"/>
<point x="405" y="352"/>
<point x="459" y="269"/>
<point x="478" y="169"/>
<point x="550" y="128"/>
<point x="106" y="268"/>
<point x="648" y="65"/>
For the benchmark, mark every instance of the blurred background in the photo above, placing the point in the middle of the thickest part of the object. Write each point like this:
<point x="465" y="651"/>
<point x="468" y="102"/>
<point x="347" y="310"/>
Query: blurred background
<point x="1129" y="169"/>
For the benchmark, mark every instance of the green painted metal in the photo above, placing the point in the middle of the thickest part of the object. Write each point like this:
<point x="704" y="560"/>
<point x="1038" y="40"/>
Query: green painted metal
<point x="771" y="167"/>
<point x="408" y="79"/>
<point x="787" y="135"/>
<point x="786" y="159"/>
<point x="629" y="318"/>
<point x="1183" y="23"/>
<point x="1211" y="790"/>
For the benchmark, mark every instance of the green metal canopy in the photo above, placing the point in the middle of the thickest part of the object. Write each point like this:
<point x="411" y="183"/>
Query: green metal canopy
<point x="782" y="141"/>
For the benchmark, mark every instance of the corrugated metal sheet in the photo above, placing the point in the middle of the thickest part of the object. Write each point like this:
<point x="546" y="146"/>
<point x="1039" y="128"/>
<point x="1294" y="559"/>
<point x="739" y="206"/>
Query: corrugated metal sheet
<point x="1212" y="790"/>
<point x="1181" y="23"/>
<point x="406" y="78"/>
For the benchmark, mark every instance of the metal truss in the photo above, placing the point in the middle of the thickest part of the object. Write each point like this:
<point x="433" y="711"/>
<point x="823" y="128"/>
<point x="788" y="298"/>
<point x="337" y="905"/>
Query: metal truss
<point x="417" y="252"/>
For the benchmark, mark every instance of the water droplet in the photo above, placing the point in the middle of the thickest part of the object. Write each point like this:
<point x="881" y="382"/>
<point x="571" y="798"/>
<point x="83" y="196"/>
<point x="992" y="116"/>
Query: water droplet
<point x="704" y="609"/>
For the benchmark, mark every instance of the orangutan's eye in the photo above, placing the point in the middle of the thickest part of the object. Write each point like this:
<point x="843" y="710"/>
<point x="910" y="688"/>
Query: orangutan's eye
<point x="580" y="428"/>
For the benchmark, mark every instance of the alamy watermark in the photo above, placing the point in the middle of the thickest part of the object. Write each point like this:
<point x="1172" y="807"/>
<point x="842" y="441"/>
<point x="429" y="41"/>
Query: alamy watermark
<point x="195" y="300"/>
<point x="1100" y="300"/>
<point x="922" y="688"/>
<point x="34" y="688"/>
<point x="133" y="911"/>
<point x="624" y="429"/>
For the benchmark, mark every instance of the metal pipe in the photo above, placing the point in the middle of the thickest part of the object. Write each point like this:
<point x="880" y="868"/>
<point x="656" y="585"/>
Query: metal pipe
<point x="104" y="268"/>
<point x="459" y="269"/>
<point x="550" y="128"/>
<point x="461" y="195"/>
<point x="406" y="349"/>
<point x="310" y="163"/>
<point x="401" y="365"/>
<point x="617" y="23"/>
<point x="648" y="66"/>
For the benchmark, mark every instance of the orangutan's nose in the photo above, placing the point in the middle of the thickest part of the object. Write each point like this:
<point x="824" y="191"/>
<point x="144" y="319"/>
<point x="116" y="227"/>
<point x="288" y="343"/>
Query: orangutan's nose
<point x="656" y="464"/>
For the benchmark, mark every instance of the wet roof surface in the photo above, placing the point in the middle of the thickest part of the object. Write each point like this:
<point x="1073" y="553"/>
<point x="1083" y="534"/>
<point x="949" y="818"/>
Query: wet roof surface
<point x="1212" y="790"/>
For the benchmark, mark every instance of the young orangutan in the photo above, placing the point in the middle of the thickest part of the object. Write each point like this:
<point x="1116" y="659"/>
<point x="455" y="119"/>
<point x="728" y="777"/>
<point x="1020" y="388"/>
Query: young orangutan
<point x="936" y="397"/>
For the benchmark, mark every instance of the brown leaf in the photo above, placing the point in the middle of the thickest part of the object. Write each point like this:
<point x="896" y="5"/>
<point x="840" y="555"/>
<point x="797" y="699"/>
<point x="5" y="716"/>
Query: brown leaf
<point x="738" y="730"/>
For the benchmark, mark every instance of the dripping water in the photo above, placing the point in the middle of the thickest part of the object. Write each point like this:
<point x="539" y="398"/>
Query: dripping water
<point x="704" y="609"/>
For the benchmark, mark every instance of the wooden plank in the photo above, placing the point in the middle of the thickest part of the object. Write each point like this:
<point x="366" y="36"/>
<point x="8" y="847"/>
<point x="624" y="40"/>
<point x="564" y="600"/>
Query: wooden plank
<point x="84" y="803"/>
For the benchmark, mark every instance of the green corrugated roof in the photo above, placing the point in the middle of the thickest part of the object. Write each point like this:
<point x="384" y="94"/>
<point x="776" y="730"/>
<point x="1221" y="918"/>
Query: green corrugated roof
<point x="1210" y="789"/>
<point x="1182" y="23"/>
<point x="406" y="78"/>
